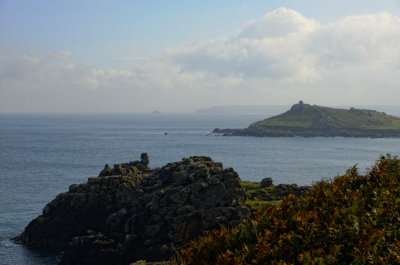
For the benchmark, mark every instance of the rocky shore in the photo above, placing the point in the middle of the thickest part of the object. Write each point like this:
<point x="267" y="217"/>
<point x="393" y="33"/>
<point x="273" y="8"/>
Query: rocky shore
<point x="131" y="212"/>
<point x="287" y="131"/>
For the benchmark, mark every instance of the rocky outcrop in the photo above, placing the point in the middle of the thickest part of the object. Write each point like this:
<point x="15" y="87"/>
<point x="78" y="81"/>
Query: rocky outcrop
<point x="131" y="212"/>
<point x="283" y="190"/>
<point x="266" y="182"/>
<point x="85" y="206"/>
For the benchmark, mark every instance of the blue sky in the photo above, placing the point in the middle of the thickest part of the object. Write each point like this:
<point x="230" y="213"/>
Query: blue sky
<point x="89" y="27"/>
<point x="136" y="40"/>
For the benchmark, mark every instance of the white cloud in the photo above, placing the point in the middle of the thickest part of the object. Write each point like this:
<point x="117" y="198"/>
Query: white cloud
<point x="277" y="59"/>
<point x="361" y="39"/>
<point x="278" y="23"/>
<point x="286" y="51"/>
<point x="272" y="47"/>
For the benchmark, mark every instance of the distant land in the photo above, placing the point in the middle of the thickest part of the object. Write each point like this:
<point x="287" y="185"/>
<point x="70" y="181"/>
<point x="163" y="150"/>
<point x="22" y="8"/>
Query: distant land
<point x="305" y="120"/>
<point x="271" y="110"/>
<point x="244" y="109"/>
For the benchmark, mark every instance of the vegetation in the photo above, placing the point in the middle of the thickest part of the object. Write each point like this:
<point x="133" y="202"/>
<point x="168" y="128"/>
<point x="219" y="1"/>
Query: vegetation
<point x="353" y="219"/>
<point x="307" y="116"/>
<point x="258" y="196"/>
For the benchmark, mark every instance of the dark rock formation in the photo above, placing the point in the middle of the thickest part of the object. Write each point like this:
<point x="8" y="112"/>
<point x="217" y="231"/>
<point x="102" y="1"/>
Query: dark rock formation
<point x="283" y="190"/>
<point x="131" y="212"/>
<point x="266" y="182"/>
<point x="84" y="206"/>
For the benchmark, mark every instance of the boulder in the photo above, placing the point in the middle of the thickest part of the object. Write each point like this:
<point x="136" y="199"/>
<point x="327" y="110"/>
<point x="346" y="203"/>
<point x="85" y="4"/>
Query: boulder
<point x="144" y="159"/>
<point x="132" y="212"/>
<point x="287" y="187"/>
<point x="266" y="182"/>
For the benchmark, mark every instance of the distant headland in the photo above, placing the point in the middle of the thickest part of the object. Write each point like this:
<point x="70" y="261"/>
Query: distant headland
<point x="305" y="120"/>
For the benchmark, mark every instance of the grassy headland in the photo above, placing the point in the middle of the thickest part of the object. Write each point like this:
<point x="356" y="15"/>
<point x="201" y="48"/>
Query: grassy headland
<point x="308" y="116"/>
<point x="312" y="120"/>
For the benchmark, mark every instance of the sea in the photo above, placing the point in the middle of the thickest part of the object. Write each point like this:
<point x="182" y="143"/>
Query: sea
<point x="41" y="155"/>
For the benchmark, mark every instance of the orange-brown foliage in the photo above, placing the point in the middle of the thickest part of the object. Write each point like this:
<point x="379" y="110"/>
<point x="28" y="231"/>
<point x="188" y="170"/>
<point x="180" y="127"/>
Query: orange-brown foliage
<point x="354" y="219"/>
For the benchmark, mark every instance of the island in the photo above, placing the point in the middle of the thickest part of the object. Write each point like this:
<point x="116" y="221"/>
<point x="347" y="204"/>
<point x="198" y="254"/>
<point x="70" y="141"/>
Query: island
<point x="305" y="120"/>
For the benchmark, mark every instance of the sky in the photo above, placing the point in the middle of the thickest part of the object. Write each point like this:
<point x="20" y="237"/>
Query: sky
<point x="82" y="56"/>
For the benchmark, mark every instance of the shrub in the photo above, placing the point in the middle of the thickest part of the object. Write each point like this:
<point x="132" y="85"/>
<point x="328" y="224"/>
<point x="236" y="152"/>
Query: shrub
<point x="353" y="219"/>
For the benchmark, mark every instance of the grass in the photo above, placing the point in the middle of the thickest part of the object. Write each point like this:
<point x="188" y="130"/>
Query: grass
<point x="316" y="116"/>
<point x="259" y="196"/>
<point x="257" y="204"/>
<point x="363" y="119"/>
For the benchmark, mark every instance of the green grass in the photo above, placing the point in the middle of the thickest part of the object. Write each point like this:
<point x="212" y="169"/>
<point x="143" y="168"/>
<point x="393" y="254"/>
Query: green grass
<point x="362" y="119"/>
<point x="286" y="119"/>
<point x="259" y="196"/>
<point x="317" y="116"/>
<point x="255" y="192"/>
<point x="257" y="204"/>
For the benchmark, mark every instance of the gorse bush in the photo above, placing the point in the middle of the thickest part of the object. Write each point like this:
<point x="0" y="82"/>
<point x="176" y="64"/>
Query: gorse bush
<point x="353" y="219"/>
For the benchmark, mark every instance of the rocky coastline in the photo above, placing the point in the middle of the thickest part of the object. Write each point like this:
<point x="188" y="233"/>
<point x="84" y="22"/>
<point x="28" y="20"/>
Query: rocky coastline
<point x="132" y="213"/>
<point x="282" y="131"/>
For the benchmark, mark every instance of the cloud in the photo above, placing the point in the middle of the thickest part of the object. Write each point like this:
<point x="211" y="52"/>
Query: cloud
<point x="360" y="39"/>
<point x="287" y="51"/>
<point x="286" y="46"/>
<point x="278" y="23"/>
<point x="272" y="47"/>
<point x="48" y="82"/>
<point x="277" y="59"/>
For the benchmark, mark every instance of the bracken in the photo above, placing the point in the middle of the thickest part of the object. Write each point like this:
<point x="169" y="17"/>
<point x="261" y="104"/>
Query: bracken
<point x="353" y="219"/>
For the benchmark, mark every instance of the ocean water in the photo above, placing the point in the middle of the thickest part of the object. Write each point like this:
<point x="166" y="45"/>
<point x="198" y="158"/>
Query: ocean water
<point x="41" y="155"/>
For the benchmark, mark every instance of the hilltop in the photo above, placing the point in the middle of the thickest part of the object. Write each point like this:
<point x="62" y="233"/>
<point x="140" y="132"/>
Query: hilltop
<point x="311" y="121"/>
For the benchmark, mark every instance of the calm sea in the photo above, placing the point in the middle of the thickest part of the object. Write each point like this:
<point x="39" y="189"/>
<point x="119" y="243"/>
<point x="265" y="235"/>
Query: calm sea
<point x="41" y="155"/>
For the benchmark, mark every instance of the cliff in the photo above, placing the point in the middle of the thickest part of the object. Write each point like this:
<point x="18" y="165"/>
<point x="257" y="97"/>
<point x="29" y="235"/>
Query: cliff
<point x="132" y="212"/>
<point x="316" y="121"/>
